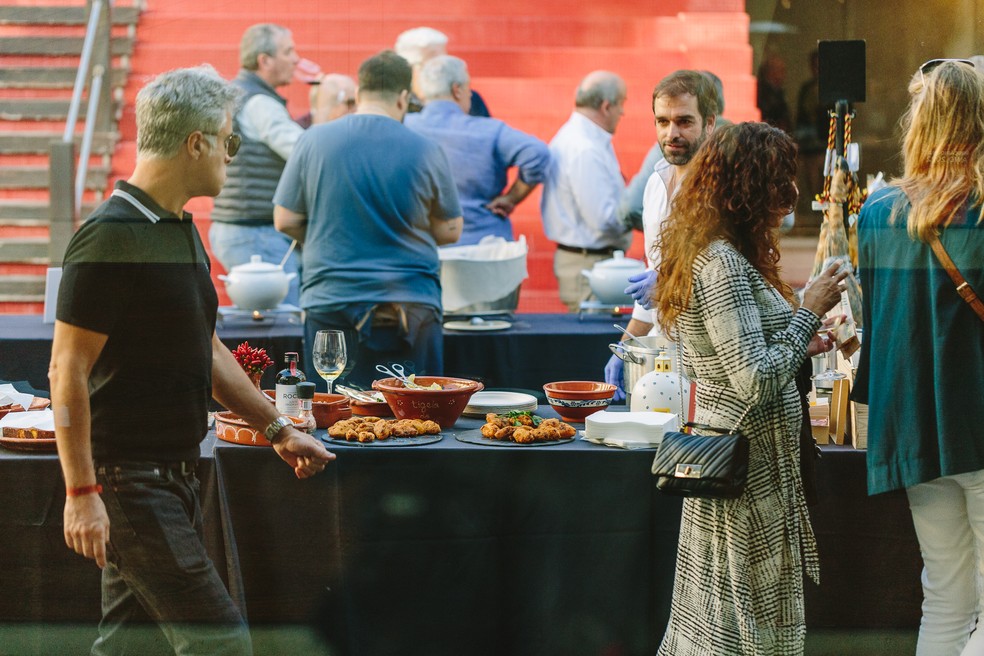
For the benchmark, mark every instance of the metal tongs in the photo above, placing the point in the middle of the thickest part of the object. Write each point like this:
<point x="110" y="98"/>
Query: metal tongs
<point x="360" y="395"/>
<point x="397" y="371"/>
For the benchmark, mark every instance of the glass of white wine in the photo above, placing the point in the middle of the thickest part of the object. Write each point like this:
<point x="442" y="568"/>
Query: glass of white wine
<point x="329" y="355"/>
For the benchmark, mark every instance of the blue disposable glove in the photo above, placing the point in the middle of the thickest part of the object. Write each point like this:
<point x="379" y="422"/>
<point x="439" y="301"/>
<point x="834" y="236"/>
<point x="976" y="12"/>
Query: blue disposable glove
<point x="614" y="375"/>
<point x="641" y="289"/>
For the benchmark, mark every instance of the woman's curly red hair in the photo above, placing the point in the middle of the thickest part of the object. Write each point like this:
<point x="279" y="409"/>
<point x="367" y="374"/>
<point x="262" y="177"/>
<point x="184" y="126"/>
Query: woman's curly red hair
<point x="738" y="187"/>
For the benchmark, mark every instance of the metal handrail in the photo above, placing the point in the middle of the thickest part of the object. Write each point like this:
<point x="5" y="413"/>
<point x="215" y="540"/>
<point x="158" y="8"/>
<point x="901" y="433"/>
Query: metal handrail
<point x="66" y="197"/>
<point x="95" y="89"/>
<point x="83" y="72"/>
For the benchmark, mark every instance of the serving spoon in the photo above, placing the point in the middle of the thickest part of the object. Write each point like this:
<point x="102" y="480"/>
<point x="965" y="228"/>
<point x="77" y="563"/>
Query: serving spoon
<point x="631" y="336"/>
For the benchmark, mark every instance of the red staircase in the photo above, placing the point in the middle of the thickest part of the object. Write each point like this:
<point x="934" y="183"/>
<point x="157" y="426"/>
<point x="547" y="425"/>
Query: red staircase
<point x="525" y="58"/>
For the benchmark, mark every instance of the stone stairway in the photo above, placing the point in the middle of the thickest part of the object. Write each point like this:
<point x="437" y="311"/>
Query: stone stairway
<point x="40" y="48"/>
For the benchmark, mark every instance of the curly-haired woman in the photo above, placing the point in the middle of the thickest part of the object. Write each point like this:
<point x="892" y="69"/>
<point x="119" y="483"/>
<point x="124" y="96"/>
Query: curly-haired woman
<point x="922" y="357"/>
<point x="739" y="573"/>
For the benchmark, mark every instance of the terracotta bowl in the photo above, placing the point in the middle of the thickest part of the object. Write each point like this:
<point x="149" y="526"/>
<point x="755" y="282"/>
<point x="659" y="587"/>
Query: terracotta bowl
<point x="576" y="399"/>
<point x="230" y="427"/>
<point x="443" y="406"/>
<point x="326" y="408"/>
<point x="367" y="409"/>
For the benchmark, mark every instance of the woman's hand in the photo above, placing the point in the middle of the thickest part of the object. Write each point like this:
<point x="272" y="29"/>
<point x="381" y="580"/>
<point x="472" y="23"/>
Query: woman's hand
<point x="824" y="291"/>
<point x="823" y="341"/>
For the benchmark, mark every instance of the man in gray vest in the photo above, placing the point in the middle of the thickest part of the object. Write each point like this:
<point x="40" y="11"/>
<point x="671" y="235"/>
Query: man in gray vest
<point x="242" y="218"/>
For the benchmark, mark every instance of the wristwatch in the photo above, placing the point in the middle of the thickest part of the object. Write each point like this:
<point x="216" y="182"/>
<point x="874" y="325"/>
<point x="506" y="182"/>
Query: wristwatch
<point x="275" y="426"/>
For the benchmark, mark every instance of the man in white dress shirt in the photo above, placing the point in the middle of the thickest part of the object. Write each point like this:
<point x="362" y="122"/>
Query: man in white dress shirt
<point x="685" y="109"/>
<point x="582" y="192"/>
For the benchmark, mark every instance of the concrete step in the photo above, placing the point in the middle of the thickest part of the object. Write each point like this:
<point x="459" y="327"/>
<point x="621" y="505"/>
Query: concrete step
<point x="31" y="212"/>
<point x="39" y="109"/>
<point x="37" y="177"/>
<point x="52" y="77"/>
<point x="25" y="142"/>
<point x="22" y="289"/>
<point x="24" y="250"/>
<point x="61" y="15"/>
<point x="59" y="46"/>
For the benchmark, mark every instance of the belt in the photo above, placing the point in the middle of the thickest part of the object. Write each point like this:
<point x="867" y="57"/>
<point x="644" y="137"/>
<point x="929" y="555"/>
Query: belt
<point x="586" y="251"/>
<point x="183" y="467"/>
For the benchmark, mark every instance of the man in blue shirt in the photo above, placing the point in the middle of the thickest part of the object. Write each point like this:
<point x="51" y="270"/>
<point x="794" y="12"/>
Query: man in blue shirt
<point x="373" y="201"/>
<point x="480" y="150"/>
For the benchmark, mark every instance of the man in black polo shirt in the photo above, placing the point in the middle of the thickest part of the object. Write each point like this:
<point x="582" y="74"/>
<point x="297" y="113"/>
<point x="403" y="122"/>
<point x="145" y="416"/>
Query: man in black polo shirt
<point x="134" y="362"/>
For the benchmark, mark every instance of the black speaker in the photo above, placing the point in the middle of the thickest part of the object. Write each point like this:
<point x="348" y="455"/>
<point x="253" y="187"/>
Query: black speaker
<point x="842" y="72"/>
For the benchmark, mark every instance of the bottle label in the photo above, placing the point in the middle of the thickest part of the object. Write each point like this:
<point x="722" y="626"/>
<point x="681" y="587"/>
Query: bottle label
<point x="287" y="401"/>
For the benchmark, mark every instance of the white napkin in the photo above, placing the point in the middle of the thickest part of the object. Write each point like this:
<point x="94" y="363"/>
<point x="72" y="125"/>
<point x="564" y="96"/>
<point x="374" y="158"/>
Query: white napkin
<point x="482" y="272"/>
<point x="629" y="430"/>
<point x="40" y="419"/>
<point x="10" y="395"/>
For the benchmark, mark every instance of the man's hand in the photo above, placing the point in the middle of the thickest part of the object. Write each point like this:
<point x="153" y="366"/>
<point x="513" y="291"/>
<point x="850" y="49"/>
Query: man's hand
<point x="87" y="527"/>
<point x="305" y="454"/>
<point x="641" y="288"/>
<point x="614" y="374"/>
<point x="501" y="206"/>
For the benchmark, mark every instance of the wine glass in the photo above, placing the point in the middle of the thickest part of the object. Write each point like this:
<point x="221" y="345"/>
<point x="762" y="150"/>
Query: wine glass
<point x="328" y="355"/>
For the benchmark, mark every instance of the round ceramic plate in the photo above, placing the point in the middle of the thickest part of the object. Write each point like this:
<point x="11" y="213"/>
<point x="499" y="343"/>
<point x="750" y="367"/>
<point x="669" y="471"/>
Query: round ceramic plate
<point x="389" y="442"/>
<point x="483" y="327"/>
<point x="20" y="444"/>
<point x="482" y="403"/>
<point x="476" y="437"/>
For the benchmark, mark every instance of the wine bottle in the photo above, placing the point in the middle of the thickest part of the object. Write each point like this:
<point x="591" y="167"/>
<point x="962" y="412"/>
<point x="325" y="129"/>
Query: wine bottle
<point x="287" y="380"/>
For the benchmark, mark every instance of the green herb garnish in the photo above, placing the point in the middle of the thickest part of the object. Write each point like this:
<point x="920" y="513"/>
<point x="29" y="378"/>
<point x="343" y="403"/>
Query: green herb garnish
<point x="513" y="417"/>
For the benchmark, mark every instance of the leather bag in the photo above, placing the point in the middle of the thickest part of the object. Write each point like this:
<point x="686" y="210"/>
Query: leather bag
<point x="706" y="466"/>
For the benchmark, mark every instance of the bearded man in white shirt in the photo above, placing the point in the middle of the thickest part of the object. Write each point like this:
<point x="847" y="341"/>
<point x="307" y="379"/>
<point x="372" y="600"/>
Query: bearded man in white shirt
<point x="685" y="109"/>
<point x="582" y="192"/>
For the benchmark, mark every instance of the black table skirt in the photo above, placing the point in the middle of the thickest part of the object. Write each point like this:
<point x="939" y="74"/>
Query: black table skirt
<point x="459" y="548"/>
<point x="537" y="349"/>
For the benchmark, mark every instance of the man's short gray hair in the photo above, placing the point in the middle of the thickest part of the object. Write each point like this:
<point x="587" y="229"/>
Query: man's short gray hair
<point x="178" y="102"/>
<point x="411" y="44"/>
<point x="599" y="87"/>
<point x="259" y="39"/>
<point x="439" y="74"/>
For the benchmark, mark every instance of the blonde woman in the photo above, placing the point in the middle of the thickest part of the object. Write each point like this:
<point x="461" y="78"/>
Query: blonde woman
<point x="922" y="356"/>
<point x="739" y="577"/>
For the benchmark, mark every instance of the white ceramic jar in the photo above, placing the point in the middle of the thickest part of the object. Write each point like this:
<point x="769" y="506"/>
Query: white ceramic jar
<point x="659" y="390"/>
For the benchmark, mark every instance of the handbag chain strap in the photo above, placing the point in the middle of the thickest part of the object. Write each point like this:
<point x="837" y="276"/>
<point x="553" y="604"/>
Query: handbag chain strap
<point x="684" y="411"/>
<point x="963" y="287"/>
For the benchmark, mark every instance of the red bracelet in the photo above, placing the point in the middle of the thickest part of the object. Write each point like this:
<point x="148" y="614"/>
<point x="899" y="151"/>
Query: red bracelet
<point x="84" y="490"/>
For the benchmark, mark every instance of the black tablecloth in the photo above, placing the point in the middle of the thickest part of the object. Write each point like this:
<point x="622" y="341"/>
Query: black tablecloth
<point x="458" y="548"/>
<point x="537" y="349"/>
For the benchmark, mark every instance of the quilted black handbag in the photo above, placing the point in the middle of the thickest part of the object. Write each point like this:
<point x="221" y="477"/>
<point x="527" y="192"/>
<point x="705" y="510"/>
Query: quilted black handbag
<point x="708" y="466"/>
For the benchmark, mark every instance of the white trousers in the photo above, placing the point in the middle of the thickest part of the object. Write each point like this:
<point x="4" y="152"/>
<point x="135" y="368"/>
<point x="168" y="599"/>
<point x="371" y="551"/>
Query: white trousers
<point x="948" y="514"/>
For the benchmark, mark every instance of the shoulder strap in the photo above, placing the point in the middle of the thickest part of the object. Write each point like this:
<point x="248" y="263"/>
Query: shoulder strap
<point x="963" y="287"/>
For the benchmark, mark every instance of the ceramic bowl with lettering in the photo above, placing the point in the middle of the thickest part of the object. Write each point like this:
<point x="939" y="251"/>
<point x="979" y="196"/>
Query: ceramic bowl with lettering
<point x="443" y="406"/>
<point x="576" y="399"/>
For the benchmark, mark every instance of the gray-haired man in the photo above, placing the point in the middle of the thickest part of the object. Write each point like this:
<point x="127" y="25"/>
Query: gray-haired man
<point x="242" y="218"/>
<point x="583" y="189"/>
<point x="134" y="362"/>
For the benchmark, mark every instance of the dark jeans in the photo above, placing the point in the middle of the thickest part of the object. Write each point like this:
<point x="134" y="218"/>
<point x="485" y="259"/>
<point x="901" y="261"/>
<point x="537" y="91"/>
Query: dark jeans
<point x="418" y="345"/>
<point x="158" y="571"/>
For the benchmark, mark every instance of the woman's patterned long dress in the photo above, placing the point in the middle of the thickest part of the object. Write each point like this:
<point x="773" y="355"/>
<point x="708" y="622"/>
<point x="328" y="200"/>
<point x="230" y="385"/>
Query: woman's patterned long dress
<point x="739" y="573"/>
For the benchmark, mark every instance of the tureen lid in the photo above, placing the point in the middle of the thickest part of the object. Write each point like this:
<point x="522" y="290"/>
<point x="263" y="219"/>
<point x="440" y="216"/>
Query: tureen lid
<point x="619" y="261"/>
<point x="257" y="265"/>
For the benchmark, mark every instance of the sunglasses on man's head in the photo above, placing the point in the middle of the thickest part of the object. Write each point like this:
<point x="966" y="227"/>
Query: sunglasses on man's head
<point x="932" y="64"/>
